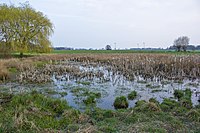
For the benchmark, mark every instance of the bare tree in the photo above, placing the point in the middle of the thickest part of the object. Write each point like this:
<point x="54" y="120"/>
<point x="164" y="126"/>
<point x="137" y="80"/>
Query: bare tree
<point x="108" y="47"/>
<point x="181" y="42"/>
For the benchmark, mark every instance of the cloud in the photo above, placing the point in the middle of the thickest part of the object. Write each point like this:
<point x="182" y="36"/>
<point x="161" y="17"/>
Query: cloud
<point x="128" y="21"/>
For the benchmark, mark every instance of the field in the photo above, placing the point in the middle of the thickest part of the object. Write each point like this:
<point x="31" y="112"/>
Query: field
<point x="122" y="51"/>
<point x="101" y="91"/>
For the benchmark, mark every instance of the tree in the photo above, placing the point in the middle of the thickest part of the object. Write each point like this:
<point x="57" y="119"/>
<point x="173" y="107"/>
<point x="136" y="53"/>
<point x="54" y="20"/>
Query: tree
<point x="108" y="47"/>
<point x="23" y="29"/>
<point x="181" y="42"/>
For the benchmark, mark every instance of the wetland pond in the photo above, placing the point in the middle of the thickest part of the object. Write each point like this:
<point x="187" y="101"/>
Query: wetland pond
<point x="97" y="85"/>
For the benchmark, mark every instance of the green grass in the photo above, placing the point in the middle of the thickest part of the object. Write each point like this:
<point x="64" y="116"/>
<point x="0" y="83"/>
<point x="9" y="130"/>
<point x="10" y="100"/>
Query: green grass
<point x="35" y="112"/>
<point x="132" y="95"/>
<point x="17" y="55"/>
<point x="120" y="51"/>
<point x="83" y="82"/>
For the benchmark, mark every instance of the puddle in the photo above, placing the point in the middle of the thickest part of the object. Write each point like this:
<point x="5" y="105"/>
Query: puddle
<point x="111" y="85"/>
<point x="93" y="78"/>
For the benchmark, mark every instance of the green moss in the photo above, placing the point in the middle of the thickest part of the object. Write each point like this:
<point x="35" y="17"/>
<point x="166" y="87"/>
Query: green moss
<point x="132" y="95"/>
<point x="120" y="102"/>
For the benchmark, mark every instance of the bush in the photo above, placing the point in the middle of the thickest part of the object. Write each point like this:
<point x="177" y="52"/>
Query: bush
<point x="121" y="103"/>
<point x="132" y="95"/>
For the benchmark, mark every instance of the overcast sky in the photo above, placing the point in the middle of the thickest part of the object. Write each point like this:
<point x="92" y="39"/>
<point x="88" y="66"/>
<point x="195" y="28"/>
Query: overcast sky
<point x="128" y="23"/>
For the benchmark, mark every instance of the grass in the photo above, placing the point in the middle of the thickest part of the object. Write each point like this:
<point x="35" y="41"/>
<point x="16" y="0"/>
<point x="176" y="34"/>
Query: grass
<point x="26" y="55"/>
<point x="151" y="86"/>
<point x="120" y="51"/>
<point x="34" y="112"/>
<point x="132" y="95"/>
<point x="83" y="82"/>
<point x="4" y="73"/>
<point x="121" y="102"/>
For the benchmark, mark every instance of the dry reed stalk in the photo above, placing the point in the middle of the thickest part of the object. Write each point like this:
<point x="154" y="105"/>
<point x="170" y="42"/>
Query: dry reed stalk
<point x="4" y="74"/>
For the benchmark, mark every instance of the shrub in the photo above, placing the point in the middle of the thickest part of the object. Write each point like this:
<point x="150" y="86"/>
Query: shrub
<point x="121" y="102"/>
<point x="132" y="95"/>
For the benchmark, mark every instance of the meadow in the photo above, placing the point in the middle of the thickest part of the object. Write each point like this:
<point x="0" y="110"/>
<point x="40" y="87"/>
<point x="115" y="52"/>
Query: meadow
<point x="100" y="91"/>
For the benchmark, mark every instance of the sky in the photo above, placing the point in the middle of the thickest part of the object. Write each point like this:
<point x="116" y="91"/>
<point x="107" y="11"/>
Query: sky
<point x="120" y="23"/>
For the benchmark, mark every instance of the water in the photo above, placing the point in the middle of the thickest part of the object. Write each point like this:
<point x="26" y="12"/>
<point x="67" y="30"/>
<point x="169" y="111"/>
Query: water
<point x="110" y="84"/>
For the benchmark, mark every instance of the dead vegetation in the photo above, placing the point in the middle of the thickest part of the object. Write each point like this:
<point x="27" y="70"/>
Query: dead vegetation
<point x="149" y="66"/>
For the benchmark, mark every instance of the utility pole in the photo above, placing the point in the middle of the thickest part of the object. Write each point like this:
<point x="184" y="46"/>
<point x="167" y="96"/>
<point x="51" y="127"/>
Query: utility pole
<point x="115" y="45"/>
<point x="144" y="44"/>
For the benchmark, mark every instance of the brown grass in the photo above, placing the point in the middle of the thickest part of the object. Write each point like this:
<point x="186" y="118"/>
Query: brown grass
<point x="149" y="66"/>
<point x="4" y="74"/>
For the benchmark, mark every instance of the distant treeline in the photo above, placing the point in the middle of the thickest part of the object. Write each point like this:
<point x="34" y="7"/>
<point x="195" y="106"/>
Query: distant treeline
<point x="189" y="47"/>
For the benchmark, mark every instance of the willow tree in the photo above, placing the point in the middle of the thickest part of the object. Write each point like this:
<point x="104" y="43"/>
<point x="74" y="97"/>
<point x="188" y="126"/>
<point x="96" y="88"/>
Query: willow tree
<point x="6" y="32"/>
<point x="23" y="29"/>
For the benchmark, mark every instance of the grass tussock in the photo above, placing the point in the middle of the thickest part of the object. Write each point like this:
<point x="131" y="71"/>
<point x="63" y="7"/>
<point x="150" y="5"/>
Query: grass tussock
<point x="34" y="112"/>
